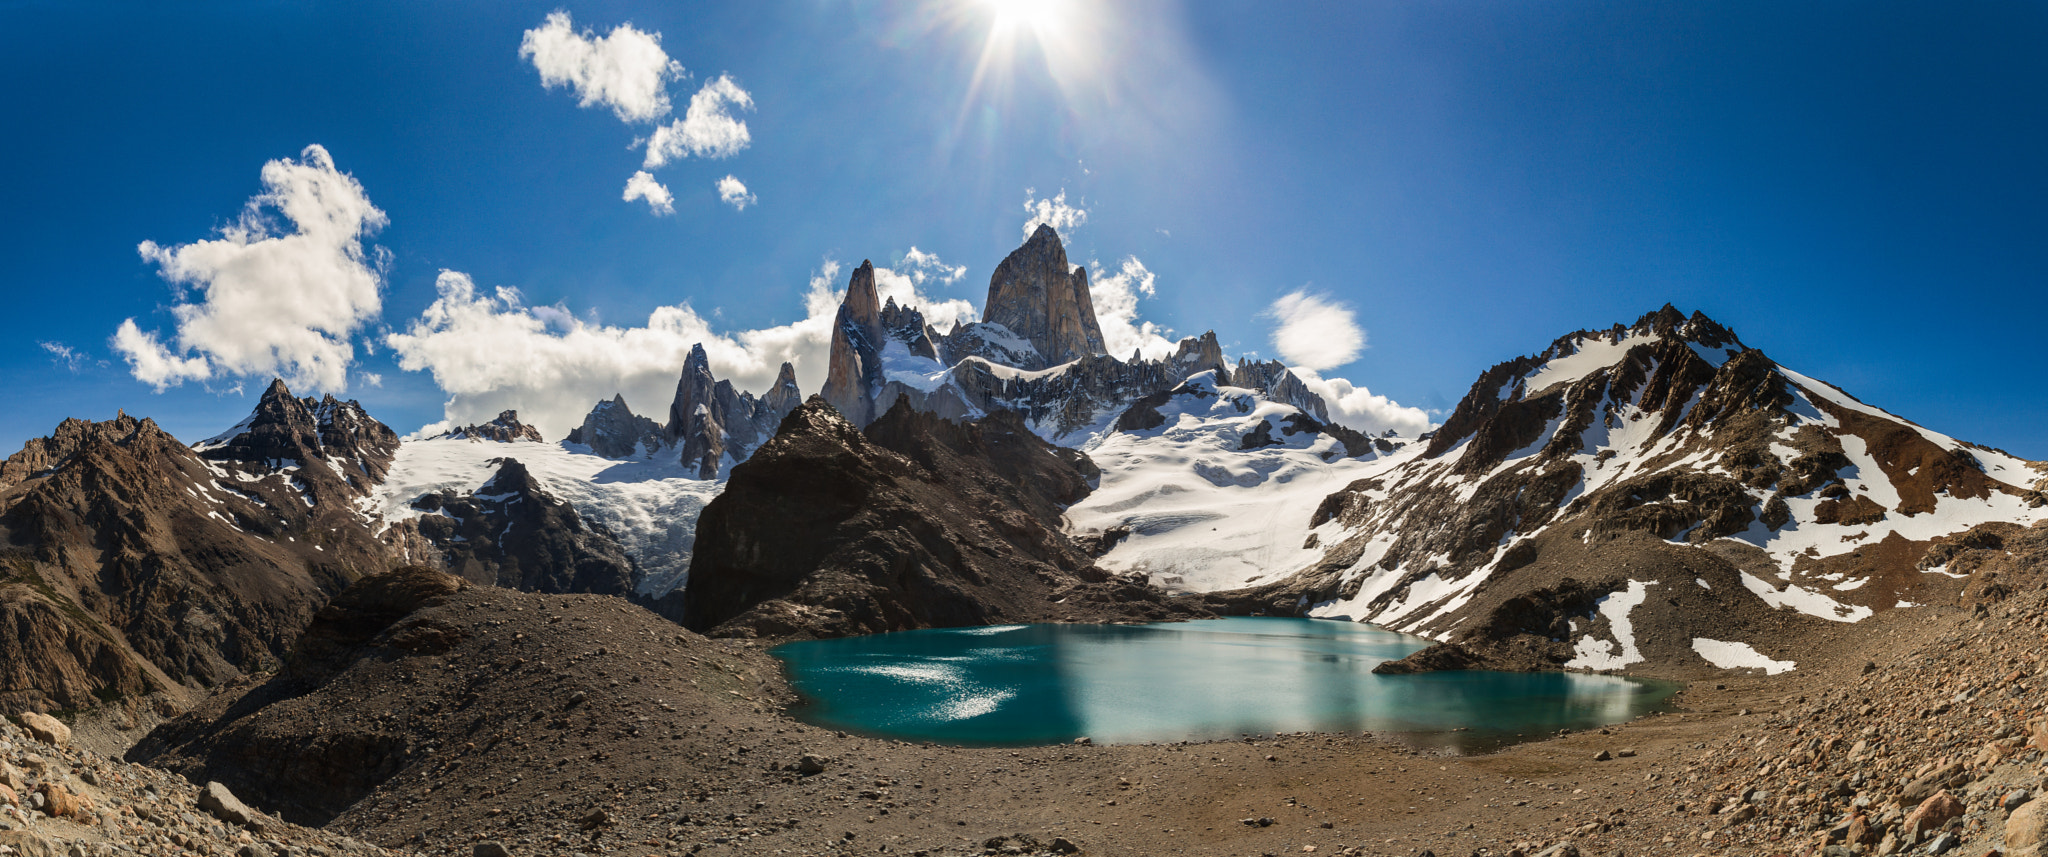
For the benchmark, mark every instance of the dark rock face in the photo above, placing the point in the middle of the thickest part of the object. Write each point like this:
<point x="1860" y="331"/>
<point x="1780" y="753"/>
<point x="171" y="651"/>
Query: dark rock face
<point x="918" y="522"/>
<point x="513" y="534"/>
<point x="1035" y="295"/>
<point x="142" y="565"/>
<point x="612" y="430"/>
<point x="505" y="429"/>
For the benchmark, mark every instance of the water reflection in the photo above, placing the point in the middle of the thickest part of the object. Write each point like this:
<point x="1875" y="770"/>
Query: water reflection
<point x="1036" y="684"/>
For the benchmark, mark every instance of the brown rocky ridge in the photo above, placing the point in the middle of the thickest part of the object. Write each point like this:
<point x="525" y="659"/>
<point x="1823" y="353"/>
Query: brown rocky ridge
<point x="916" y="522"/>
<point x="136" y="566"/>
<point x="1661" y="464"/>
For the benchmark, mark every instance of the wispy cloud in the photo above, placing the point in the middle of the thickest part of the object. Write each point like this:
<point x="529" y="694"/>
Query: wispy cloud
<point x="271" y="300"/>
<point x="734" y="193"/>
<point x="643" y="186"/>
<point x="626" y="70"/>
<point x="1053" y="211"/>
<point x="66" y="356"/>
<point x="1314" y="332"/>
<point x="923" y="267"/>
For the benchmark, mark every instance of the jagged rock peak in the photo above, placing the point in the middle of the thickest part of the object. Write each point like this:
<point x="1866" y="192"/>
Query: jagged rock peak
<point x="784" y="395"/>
<point x="506" y="428"/>
<point x="863" y="302"/>
<point x="44" y="454"/>
<point x="854" y="372"/>
<point x="1038" y="296"/>
<point x="693" y="394"/>
<point x="1197" y="354"/>
<point x="612" y="430"/>
<point x="283" y="430"/>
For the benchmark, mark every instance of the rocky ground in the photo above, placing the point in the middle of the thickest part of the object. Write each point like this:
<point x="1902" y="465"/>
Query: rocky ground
<point x="577" y="724"/>
<point x="57" y="800"/>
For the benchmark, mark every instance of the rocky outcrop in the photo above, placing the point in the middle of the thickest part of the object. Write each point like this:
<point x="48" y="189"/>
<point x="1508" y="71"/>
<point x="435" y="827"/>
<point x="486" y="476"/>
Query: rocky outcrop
<point x="505" y="429"/>
<point x="917" y="522"/>
<point x="1272" y="379"/>
<point x="1040" y="298"/>
<point x="143" y="566"/>
<point x="612" y="430"/>
<point x="512" y="533"/>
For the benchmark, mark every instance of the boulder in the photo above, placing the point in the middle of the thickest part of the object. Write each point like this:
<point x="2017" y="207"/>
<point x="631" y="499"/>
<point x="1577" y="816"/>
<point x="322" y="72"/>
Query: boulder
<point x="59" y="802"/>
<point x="2027" y="826"/>
<point x="222" y="804"/>
<point x="1932" y="813"/>
<point x="46" y="729"/>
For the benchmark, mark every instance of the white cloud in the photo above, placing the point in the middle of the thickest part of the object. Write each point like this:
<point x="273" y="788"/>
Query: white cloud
<point x="153" y="364"/>
<point x="1360" y="409"/>
<point x="922" y="267"/>
<point x="271" y="302"/>
<point x="643" y="186"/>
<point x="1116" y="309"/>
<point x="1315" y="332"/>
<point x="1054" y="211"/>
<point x="734" y="193"/>
<point x="489" y="351"/>
<point x="707" y="129"/>
<point x="626" y="70"/>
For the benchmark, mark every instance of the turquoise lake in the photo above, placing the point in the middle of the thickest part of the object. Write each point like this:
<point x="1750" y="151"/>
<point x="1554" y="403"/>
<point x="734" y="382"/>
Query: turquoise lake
<point x="1044" y="684"/>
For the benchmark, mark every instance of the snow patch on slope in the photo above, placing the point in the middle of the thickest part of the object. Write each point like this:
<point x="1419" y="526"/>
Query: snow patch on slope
<point x="1204" y="514"/>
<point x="650" y="506"/>
<point x="1732" y="656"/>
<point x="1591" y="653"/>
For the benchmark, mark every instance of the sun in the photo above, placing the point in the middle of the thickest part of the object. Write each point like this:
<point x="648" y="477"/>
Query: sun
<point x="1058" y="33"/>
<point x="1041" y="18"/>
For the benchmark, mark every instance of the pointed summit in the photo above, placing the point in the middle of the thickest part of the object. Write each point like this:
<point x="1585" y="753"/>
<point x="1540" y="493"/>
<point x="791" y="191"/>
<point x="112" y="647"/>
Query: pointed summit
<point x="855" y="370"/>
<point x="1038" y="296"/>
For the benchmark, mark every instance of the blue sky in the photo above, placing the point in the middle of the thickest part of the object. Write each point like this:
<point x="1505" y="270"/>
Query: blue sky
<point x="1858" y="189"/>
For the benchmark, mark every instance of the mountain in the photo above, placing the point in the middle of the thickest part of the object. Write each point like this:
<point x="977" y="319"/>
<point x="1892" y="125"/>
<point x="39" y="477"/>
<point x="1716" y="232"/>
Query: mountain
<point x="1038" y="352"/>
<point x="1642" y="494"/>
<point x="512" y="533"/>
<point x="136" y="565"/>
<point x="505" y="429"/>
<point x="1037" y="296"/>
<point x="915" y="522"/>
<point x="612" y="430"/>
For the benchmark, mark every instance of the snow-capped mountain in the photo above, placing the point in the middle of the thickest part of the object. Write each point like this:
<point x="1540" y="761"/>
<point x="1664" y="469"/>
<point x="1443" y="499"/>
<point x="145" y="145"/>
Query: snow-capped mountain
<point x="1659" y="475"/>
